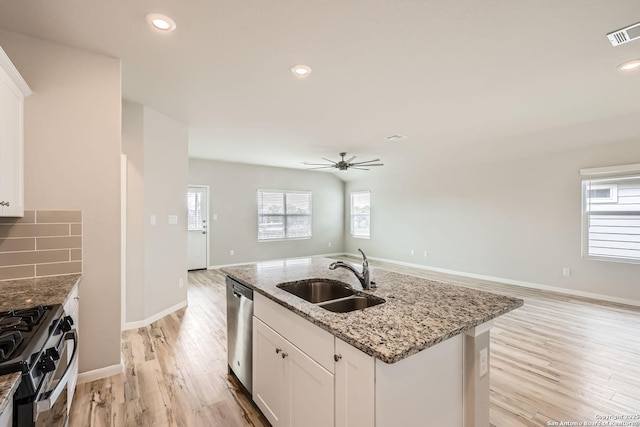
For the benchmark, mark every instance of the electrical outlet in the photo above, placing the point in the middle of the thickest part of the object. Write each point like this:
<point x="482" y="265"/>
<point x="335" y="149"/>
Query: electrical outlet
<point x="153" y="220"/>
<point x="181" y="282"/>
<point x="231" y="252"/>
<point x="484" y="361"/>
<point x="566" y="271"/>
<point x="329" y="244"/>
<point x="413" y="252"/>
<point x="426" y="254"/>
<point x="215" y="216"/>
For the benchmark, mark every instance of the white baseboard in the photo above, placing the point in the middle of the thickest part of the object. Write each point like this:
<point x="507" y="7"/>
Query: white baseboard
<point x="149" y="320"/>
<point x="98" y="374"/>
<point x="213" y="267"/>
<point x="520" y="283"/>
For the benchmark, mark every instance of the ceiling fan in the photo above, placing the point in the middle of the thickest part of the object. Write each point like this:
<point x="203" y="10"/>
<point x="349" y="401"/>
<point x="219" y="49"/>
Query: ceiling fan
<point x="343" y="164"/>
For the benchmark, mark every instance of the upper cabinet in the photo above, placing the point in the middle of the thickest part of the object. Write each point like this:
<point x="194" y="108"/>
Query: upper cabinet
<point x="13" y="90"/>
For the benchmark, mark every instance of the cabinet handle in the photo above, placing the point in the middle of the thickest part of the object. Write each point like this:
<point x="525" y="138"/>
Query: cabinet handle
<point x="278" y="350"/>
<point x="284" y="354"/>
<point x="337" y="357"/>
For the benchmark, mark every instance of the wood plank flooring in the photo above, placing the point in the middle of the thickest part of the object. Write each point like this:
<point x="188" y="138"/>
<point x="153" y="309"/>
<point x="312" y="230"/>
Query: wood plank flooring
<point x="558" y="358"/>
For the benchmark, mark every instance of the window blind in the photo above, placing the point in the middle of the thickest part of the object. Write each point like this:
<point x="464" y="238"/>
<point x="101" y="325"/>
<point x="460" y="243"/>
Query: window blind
<point x="284" y="215"/>
<point x="361" y="214"/>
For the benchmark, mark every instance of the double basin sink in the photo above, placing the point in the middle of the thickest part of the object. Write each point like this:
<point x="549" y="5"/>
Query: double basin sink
<point x="331" y="295"/>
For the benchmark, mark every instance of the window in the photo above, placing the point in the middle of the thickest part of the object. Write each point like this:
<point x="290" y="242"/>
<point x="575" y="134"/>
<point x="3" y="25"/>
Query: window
<point x="194" y="211"/>
<point x="360" y="214"/>
<point x="611" y="213"/>
<point x="284" y="215"/>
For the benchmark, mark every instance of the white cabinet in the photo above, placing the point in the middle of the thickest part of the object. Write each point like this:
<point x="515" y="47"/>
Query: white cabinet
<point x="289" y="387"/>
<point x="355" y="387"/>
<point x="304" y="376"/>
<point x="13" y="89"/>
<point x="72" y="308"/>
<point x="6" y="416"/>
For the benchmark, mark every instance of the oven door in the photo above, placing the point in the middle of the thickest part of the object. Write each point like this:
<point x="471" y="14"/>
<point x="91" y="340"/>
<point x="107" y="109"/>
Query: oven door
<point x="50" y="407"/>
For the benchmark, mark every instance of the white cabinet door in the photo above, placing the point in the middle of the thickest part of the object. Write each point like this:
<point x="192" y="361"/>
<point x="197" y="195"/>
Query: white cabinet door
<point x="355" y="387"/>
<point x="6" y="417"/>
<point x="72" y="308"/>
<point x="11" y="148"/>
<point x="311" y="391"/>
<point x="271" y="374"/>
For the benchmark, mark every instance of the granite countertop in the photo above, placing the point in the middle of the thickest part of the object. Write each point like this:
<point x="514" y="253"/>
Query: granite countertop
<point x="418" y="312"/>
<point x="25" y="293"/>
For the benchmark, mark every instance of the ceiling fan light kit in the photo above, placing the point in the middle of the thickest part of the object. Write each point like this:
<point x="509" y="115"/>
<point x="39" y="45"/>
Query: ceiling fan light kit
<point x="345" y="165"/>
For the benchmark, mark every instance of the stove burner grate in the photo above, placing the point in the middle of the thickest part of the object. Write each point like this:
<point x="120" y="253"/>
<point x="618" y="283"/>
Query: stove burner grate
<point x="9" y="342"/>
<point x="21" y="320"/>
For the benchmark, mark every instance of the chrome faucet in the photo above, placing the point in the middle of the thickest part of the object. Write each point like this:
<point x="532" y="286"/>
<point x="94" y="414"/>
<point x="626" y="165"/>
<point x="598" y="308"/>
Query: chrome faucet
<point x="362" y="277"/>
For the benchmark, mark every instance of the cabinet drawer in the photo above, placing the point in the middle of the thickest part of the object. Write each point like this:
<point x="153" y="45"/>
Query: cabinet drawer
<point x="311" y="339"/>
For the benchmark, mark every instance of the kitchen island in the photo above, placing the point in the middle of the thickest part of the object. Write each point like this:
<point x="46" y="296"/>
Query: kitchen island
<point x="423" y="353"/>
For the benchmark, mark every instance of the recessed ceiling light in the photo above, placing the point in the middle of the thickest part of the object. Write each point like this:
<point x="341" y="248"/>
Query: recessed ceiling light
<point x="161" y="22"/>
<point x="301" y="71"/>
<point x="630" y="65"/>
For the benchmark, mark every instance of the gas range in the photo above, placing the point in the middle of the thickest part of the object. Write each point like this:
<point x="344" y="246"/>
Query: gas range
<point x="33" y="342"/>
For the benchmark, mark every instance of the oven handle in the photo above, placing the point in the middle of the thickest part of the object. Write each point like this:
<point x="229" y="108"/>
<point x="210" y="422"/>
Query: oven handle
<point x="51" y="397"/>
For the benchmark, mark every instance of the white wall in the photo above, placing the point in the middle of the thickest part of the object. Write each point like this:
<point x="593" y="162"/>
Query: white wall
<point x="133" y="147"/>
<point x="156" y="149"/>
<point x="165" y="193"/>
<point x="517" y="219"/>
<point x="72" y="161"/>
<point x="233" y="199"/>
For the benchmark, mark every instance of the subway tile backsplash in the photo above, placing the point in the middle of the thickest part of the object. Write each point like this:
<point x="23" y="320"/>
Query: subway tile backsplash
<point x="42" y="243"/>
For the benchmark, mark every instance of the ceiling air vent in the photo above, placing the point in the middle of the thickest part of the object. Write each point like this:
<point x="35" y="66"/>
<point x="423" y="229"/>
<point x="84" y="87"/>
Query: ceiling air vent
<point x="395" y="137"/>
<point x="625" y="35"/>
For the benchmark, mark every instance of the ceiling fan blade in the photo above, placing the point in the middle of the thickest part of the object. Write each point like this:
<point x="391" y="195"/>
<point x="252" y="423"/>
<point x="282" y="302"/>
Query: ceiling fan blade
<point x="366" y="161"/>
<point x="321" y="167"/>
<point x="330" y="161"/>
<point x="316" y="164"/>
<point x="362" y="169"/>
<point x="371" y="164"/>
<point x="349" y="160"/>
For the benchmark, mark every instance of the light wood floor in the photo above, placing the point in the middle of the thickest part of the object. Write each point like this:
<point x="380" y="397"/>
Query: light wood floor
<point x="558" y="358"/>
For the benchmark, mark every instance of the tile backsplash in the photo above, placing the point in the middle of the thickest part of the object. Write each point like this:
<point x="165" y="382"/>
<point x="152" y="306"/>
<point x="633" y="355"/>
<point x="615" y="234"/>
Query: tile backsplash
<point x="41" y="243"/>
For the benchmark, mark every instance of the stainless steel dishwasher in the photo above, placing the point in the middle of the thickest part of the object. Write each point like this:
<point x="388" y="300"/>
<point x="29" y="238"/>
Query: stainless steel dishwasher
<point x="240" y="331"/>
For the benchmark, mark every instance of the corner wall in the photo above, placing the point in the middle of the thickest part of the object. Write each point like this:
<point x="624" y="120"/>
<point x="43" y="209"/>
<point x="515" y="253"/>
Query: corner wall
<point x="72" y="162"/>
<point x="517" y="219"/>
<point x="233" y="199"/>
<point x="156" y="149"/>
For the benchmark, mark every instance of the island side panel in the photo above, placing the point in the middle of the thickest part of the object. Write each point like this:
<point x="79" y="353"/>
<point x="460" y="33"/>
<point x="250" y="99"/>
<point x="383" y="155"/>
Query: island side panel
<point x="423" y="389"/>
<point x="477" y="376"/>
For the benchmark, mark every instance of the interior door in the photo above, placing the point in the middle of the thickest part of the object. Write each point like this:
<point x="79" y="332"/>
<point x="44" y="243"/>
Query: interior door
<point x="198" y="204"/>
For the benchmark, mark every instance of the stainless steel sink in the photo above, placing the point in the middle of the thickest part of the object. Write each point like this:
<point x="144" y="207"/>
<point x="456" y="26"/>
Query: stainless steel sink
<point x="317" y="290"/>
<point x="351" y="304"/>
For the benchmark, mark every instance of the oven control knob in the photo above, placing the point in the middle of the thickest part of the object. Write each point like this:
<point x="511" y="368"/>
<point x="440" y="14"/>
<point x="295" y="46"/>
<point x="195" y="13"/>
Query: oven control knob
<point x="53" y="353"/>
<point x="65" y="324"/>
<point x="46" y="364"/>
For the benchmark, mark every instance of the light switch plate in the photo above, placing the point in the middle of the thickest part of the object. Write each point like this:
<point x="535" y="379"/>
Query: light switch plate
<point x="484" y="362"/>
<point x="153" y="220"/>
<point x="173" y="219"/>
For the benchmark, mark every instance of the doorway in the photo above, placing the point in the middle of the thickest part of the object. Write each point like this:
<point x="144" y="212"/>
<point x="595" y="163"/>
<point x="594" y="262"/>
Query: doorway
<point x="198" y="226"/>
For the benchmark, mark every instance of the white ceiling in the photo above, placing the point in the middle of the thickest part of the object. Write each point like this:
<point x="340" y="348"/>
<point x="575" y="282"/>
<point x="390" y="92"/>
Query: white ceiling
<point x="454" y="76"/>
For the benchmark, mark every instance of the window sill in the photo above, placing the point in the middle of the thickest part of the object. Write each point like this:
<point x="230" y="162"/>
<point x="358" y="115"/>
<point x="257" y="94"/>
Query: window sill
<point x="611" y="259"/>
<point x="283" y="240"/>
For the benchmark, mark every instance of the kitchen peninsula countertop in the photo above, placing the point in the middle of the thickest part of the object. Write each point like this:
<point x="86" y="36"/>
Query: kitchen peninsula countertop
<point x="25" y="293"/>
<point x="418" y="313"/>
